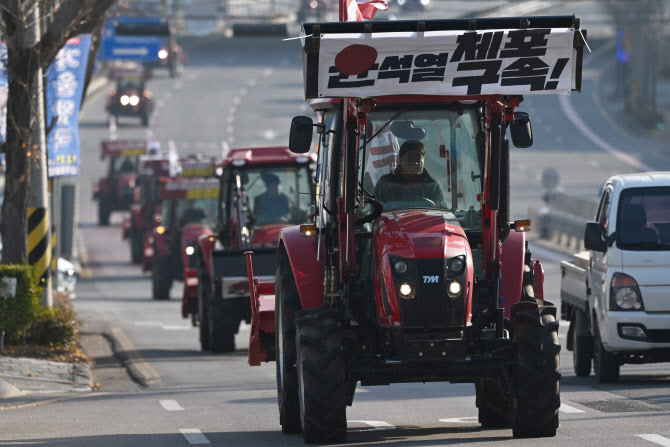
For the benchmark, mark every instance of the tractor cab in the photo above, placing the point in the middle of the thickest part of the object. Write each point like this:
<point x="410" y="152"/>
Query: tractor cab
<point x="116" y="192"/>
<point x="412" y="269"/>
<point x="184" y="203"/>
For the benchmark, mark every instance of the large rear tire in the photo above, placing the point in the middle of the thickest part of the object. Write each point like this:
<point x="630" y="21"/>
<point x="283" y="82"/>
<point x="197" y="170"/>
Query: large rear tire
<point x="222" y="326"/>
<point x="582" y="350"/>
<point x="536" y="372"/>
<point x="606" y="366"/>
<point x="495" y="407"/>
<point x="321" y="379"/>
<point x="161" y="278"/>
<point x="287" y="302"/>
<point x="203" y="315"/>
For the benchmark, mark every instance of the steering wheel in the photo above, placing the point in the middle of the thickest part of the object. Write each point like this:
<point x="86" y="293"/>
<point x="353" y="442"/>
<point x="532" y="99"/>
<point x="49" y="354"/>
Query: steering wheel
<point x="376" y="212"/>
<point x="425" y="201"/>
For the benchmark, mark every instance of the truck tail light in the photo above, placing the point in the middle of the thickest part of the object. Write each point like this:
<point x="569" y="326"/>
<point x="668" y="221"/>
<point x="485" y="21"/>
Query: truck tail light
<point x="625" y="294"/>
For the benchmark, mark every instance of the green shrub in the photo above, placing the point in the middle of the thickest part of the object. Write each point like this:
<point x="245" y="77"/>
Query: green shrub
<point x="17" y="314"/>
<point x="56" y="328"/>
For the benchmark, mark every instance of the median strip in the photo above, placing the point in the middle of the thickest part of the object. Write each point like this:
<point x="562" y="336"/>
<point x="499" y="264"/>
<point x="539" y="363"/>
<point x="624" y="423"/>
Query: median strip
<point x="138" y="369"/>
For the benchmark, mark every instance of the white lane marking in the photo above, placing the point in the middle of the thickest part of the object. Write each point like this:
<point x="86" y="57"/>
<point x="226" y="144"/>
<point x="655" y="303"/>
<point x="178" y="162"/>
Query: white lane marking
<point x="176" y="327"/>
<point x="559" y="139"/>
<point x="656" y="439"/>
<point x="148" y="323"/>
<point x="244" y="91"/>
<point x="252" y="82"/>
<point x="568" y="409"/>
<point x="231" y="118"/>
<point x="194" y="436"/>
<point x="466" y="420"/>
<point x="547" y="128"/>
<point x="178" y="85"/>
<point x="166" y="327"/>
<point x="171" y="405"/>
<point x="563" y="323"/>
<point x="230" y="129"/>
<point x="268" y="71"/>
<point x="232" y="110"/>
<point x="574" y="118"/>
<point x="269" y="134"/>
<point x="594" y="163"/>
<point x="376" y="426"/>
<point x="236" y="100"/>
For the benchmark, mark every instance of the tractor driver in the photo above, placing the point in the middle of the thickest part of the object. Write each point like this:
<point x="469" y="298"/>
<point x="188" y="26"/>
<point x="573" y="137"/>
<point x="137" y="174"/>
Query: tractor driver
<point x="272" y="205"/>
<point x="410" y="182"/>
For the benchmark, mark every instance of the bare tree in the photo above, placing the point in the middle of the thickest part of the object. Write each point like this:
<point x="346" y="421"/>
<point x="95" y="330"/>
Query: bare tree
<point x="63" y="19"/>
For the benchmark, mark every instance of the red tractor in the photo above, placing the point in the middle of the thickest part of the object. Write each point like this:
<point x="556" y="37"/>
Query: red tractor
<point x="263" y="190"/>
<point x="139" y="225"/>
<point x="116" y="192"/>
<point x="130" y="96"/>
<point x="412" y="270"/>
<point x="184" y="203"/>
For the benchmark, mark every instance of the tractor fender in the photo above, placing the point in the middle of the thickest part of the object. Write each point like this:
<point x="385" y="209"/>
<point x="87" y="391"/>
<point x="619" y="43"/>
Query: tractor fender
<point x="307" y="270"/>
<point x="512" y="260"/>
<point x="206" y="245"/>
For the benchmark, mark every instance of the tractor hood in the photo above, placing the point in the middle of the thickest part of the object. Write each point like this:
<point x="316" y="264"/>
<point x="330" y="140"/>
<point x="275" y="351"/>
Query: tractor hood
<point x="125" y="181"/>
<point x="191" y="233"/>
<point x="419" y="234"/>
<point x="267" y="235"/>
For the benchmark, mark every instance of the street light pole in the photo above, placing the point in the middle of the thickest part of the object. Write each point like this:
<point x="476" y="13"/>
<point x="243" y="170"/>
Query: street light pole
<point x="39" y="238"/>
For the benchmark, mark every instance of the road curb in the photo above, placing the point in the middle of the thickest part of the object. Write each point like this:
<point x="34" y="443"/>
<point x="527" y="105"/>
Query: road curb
<point x="139" y="370"/>
<point x="8" y="390"/>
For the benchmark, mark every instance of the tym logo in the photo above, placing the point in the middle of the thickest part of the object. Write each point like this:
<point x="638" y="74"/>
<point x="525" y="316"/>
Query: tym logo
<point x="430" y="279"/>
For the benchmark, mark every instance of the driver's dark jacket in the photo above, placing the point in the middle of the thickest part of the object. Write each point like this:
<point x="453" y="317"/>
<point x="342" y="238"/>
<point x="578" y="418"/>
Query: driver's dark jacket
<point x="396" y="188"/>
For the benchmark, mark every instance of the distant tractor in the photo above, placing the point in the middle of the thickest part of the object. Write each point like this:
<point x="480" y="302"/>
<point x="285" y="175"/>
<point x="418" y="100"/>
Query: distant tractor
<point x="116" y="191"/>
<point x="412" y="270"/>
<point x="262" y="191"/>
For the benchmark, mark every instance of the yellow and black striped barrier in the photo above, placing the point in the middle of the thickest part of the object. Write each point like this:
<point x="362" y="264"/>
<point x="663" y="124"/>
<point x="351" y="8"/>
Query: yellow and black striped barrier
<point x="39" y="251"/>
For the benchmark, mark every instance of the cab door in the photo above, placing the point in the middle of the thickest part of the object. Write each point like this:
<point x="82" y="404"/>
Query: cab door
<point x="600" y="262"/>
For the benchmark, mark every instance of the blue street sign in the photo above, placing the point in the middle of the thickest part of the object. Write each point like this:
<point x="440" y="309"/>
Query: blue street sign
<point x="65" y="87"/>
<point x="134" y="38"/>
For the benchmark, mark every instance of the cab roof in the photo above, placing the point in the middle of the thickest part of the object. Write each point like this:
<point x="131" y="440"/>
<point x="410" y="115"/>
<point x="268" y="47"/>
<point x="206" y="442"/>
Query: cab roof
<point x="264" y="155"/>
<point x="640" y="180"/>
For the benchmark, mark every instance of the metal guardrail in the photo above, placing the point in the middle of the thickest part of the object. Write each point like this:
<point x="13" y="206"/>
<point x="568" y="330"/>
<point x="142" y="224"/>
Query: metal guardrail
<point x="564" y="218"/>
<point x="260" y="8"/>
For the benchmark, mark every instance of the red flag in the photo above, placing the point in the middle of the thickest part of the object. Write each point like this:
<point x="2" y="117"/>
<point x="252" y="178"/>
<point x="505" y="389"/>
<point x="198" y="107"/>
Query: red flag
<point x="357" y="10"/>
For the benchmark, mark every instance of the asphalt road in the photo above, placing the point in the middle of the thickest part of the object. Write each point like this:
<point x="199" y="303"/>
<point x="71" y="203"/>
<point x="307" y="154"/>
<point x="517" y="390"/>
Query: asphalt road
<point x="244" y="91"/>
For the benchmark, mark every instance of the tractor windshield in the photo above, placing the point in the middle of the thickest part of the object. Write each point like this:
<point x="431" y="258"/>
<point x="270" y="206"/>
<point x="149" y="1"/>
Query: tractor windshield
<point x="186" y="211"/>
<point x="426" y="158"/>
<point x="277" y="194"/>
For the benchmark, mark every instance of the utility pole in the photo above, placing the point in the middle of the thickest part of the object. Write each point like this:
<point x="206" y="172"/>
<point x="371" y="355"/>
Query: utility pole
<point x="39" y="238"/>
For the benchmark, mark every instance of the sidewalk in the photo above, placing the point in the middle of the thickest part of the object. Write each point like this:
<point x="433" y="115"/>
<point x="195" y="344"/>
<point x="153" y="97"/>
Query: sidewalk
<point x="24" y="376"/>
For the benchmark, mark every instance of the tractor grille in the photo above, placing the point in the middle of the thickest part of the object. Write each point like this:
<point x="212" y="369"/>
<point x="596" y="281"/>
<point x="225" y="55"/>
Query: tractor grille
<point x="431" y="306"/>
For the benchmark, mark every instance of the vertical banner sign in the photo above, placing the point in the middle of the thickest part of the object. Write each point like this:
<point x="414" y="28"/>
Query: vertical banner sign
<point x="65" y="87"/>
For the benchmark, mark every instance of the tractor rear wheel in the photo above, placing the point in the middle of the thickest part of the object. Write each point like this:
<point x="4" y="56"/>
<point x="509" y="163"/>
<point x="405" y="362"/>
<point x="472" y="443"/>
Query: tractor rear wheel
<point x="605" y="365"/>
<point x="161" y="278"/>
<point x="321" y="379"/>
<point x="582" y="347"/>
<point x="495" y="409"/>
<point x="536" y="373"/>
<point x="222" y="326"/>
<point x="287" y="302"/>
<point x="203" y="315"/>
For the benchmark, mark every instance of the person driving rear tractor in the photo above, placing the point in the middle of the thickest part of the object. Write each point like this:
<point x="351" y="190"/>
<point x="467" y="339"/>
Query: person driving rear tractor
<point x="272" y="205"/>
<point x="410" y="180"/>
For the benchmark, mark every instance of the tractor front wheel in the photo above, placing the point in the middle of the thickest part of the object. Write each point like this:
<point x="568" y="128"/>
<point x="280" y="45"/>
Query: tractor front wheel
<point x="161" y="278"/>
<point x="104" y="211"/>
<point x="495" y="409"/>
<point x="222" y="326"/>
<point x="136" y="246"/>
<point x="321" y="380"/>
<point x="287" y="302"/>
<point x="536" y="372"/>
<point x="203" y="315"/>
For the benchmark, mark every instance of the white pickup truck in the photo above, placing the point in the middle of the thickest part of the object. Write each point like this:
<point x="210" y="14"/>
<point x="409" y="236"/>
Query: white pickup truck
<point x="616" y="294"/>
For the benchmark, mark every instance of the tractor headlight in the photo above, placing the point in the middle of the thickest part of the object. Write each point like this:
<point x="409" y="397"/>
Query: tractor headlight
<point x="134" y="100"/>
<point x="190" y="250"/>
<point x="454" y="289"/>
<point x="625" y="294"/>
<point x="455" y="265"/>
<point x="125" y="100"/>
<point x="400" y="267"/>
<point x="162" y="54"/>
<point x="406" y="291"/>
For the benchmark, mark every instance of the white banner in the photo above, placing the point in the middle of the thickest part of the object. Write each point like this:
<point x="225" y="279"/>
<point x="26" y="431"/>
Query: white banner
<point x="489" y="62"/>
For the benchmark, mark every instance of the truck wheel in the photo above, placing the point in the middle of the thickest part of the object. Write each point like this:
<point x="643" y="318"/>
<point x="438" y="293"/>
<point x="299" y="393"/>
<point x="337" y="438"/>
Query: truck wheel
<point x="203" y="315"/>
<point x="581" y="345"/>
<point x="321" y="379"/>
<point x="104" y="210"/>
<point x="161" y="279"/>
<point x="536" y="373"/>
<point x="135" y="246"/>
<point x="605" y="365"/>
<point x="287" y="302"/>
<point x="495" y="409"/>
<point x="222" y="326"/>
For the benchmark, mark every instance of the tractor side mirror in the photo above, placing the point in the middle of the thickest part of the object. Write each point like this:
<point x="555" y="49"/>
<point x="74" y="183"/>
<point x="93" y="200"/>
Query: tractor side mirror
<point x="300" y="139"/>
<point x="521" y="130"/>
<point x="593" y="237"/>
